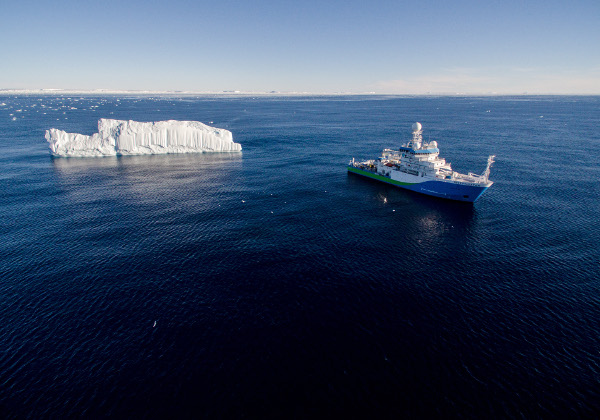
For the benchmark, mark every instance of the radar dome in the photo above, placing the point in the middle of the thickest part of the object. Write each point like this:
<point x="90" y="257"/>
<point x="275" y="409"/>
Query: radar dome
<point x="416" y="126"/>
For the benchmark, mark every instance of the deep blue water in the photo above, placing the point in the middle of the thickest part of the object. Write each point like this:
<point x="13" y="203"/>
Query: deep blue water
<point x="281" y="286"/>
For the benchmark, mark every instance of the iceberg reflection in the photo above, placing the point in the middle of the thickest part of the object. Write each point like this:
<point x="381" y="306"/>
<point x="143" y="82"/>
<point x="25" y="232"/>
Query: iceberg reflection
<point x="148" y="178"/>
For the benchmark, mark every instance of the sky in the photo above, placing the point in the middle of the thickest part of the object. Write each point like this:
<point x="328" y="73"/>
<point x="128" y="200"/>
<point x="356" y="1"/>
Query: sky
<point x="387" y="47"/>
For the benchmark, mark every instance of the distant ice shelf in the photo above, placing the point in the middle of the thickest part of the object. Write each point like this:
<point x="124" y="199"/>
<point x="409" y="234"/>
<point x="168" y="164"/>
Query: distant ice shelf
<point x="118" y="137"/>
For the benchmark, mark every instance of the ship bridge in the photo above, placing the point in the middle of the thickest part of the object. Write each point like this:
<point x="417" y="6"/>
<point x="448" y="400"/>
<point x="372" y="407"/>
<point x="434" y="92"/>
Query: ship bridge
<point x="419" y="151"/>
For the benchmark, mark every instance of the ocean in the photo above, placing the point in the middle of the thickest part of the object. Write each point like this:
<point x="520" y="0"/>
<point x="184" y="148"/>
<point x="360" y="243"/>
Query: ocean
<point x="273" y="284"/>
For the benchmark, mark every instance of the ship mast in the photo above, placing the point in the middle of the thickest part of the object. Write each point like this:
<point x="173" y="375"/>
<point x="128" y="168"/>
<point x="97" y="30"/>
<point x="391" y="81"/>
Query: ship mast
<point x="417" y="139"/>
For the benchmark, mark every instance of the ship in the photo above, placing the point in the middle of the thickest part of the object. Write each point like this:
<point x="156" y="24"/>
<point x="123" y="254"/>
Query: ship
<point x="416" y="166"/>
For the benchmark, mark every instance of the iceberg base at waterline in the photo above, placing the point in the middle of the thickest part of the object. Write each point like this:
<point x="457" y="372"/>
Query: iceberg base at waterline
<point x="118" y="137"/>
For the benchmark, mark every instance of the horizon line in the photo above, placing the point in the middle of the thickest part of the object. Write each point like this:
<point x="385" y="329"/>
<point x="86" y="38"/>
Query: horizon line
<point x="54" y="91"/>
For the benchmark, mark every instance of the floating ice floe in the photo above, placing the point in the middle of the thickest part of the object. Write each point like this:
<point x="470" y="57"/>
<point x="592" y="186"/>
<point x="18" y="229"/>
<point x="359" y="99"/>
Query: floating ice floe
<point x="116" y="137"/>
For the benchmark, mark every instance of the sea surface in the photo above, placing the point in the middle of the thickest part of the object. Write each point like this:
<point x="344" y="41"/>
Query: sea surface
<point x="272" y="284"/>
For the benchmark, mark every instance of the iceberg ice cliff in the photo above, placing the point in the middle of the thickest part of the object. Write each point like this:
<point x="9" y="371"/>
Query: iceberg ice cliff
<point x="116" y="137"/>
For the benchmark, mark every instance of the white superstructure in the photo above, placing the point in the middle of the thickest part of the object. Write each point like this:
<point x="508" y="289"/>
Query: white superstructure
<point x="419" y="159"/>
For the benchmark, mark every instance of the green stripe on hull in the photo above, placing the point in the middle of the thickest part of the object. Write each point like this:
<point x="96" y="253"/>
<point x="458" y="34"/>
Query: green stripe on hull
<point x="378" y="177"/>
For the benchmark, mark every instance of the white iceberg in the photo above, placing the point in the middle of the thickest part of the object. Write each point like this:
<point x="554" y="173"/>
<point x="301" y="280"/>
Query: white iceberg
<point x="117" y="137"/>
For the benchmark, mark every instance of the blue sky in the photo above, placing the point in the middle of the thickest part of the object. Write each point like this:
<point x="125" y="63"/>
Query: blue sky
<point x="403" y="47"/>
